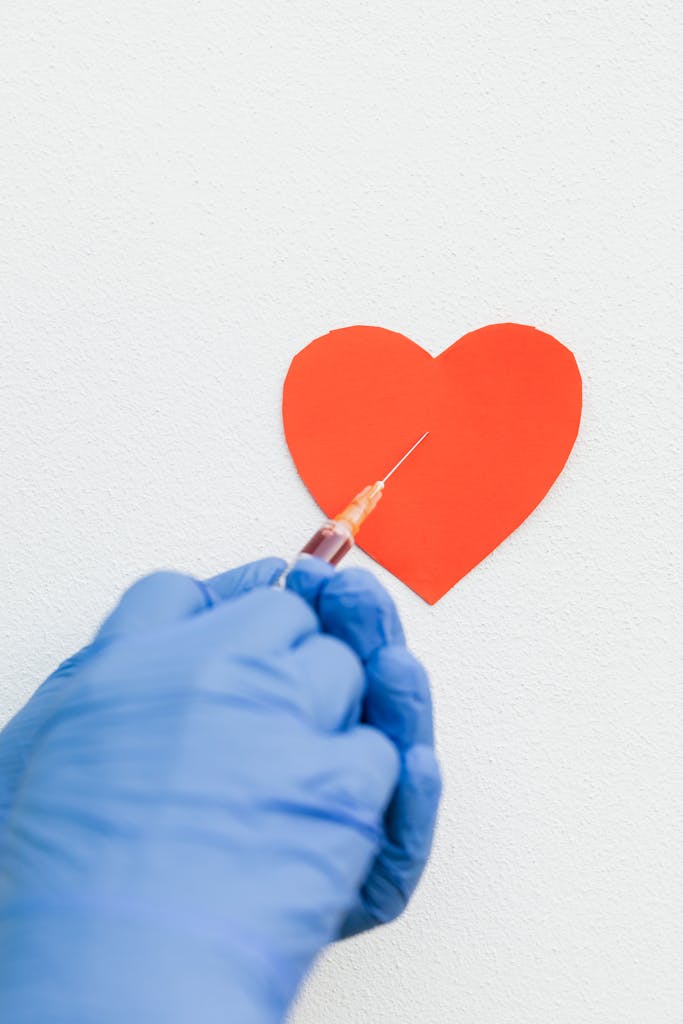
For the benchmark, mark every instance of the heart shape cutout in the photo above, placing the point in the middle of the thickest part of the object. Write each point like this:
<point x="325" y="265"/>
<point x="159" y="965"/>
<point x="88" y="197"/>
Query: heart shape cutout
<point x="502" y="406"/>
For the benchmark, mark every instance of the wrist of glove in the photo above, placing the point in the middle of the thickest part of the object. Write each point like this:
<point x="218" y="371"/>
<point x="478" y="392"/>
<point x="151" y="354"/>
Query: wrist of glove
<point x="227" y="779"/>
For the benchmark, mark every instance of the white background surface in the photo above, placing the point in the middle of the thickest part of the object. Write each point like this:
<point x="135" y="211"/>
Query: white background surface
<point x="193" y="191"/>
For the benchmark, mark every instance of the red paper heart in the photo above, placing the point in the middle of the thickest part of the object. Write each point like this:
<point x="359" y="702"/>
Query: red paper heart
<point x="502" y="406"/>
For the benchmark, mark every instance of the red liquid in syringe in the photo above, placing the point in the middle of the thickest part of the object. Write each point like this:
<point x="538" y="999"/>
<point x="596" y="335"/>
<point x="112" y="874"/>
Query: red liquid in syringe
<point x="331" y="543"/>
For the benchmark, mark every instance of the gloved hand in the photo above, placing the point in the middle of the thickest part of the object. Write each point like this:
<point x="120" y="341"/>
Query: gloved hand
<point x="191" y="807"/>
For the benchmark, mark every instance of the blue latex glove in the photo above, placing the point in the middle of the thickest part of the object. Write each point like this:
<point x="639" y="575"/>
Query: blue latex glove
<point x="191" y="807"/>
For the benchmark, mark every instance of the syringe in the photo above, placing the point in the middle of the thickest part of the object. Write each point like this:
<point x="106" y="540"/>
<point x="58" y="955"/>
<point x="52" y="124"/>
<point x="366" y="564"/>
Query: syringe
<point x="336" y="537"/>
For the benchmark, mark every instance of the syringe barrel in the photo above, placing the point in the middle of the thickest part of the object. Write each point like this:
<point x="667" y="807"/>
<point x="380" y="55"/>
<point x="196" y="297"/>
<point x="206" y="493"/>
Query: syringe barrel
<point x="332" y="541"/>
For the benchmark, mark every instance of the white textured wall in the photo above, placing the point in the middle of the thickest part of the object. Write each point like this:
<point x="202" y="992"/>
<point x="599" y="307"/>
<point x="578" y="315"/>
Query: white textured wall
<point x="193" y="191"/>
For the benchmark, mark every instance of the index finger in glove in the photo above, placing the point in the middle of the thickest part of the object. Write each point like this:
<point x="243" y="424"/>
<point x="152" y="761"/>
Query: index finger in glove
<point x="352" y="605"/>
<point x="327" y="680"/>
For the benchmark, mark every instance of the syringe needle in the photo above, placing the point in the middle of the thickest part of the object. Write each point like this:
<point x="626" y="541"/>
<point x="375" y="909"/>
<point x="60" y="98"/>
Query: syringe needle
<point x="336" y="537"/>
<point x="403" y="459"/>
